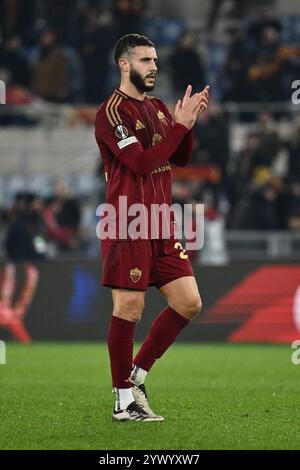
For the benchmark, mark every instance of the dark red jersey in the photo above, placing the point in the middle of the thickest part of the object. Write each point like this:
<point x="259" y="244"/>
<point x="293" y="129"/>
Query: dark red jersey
<point x="137" y="141"/>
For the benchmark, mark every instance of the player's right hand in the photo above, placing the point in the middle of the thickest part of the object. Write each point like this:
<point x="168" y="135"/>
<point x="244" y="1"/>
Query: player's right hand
<point x="187" y="110"/>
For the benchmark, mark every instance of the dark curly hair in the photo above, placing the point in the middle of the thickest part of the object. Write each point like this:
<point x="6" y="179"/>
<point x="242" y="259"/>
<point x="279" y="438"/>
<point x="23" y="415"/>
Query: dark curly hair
<point x="126" y="44"/>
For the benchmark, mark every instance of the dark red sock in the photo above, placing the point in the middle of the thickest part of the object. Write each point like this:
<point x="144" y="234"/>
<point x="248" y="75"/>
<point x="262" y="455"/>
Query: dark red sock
<point x="164" y="330"/>
<point x="120" y="346"/>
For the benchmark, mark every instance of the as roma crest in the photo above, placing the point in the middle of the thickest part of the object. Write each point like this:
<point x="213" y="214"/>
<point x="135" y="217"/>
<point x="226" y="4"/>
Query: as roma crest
<point x="135" y="274"/>
<point x="156" y="139"/>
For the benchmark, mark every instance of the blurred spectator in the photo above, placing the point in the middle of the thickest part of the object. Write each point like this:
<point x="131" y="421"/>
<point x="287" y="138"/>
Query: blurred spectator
<point x="186" y="66"/>
<point x="51" y="69"/>
<point x="94" y="48"/>
<point x="272" y="61"/>
<point x="262" y="149"/>
<point x="70" y="213"/>
<point x="233" y="77"/>
<point x="256" y="209"/>
<point x="31" y="223"/>
<point x="269" y="137"/>
<point x="209" y="148"/>
<point x="16" y="95"/>
<point x="265" y="74"/>
<point x="25" y="245"/>
<point x="214" y="8"/>
<point x="294" y="160"/>
<point x="13" y="59"/>
<point x="17" y="17"/>
<point x="128" y="17"/>
<point x="239" y="9"/>
<point x="60" y="15"/>
<point x="288" y="203"/>
<point x="294" y="220"/>
<point x="248" y="159"/>
<point x="264" y="16"/>
<point x="63" y="236"/>
<point x="25" y="239"/>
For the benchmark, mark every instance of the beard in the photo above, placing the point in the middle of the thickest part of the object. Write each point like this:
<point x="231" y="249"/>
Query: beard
<point x="139" y="82"/>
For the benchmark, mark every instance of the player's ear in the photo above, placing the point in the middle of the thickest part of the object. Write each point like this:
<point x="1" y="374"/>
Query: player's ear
<point x="124" y="65"/>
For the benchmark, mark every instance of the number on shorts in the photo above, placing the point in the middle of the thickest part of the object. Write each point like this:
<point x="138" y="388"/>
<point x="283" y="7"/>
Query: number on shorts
<point x="182" y="254"/>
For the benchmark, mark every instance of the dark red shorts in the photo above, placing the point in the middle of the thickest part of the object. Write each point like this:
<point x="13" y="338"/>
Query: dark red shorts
<point x="142" y="263"/>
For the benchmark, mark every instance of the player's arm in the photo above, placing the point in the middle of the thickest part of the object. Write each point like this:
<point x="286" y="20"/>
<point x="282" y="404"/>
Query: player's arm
<point x="183" y="153"/>
<point x="125" y="145"/>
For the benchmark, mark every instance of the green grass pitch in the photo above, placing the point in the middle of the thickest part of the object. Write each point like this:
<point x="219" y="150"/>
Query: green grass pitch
<point x="58" y="396"/>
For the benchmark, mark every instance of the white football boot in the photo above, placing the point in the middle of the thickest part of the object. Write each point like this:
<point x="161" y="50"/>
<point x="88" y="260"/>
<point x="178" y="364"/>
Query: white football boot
<point x="133" y="412"/>
<point x="140" y="396"/>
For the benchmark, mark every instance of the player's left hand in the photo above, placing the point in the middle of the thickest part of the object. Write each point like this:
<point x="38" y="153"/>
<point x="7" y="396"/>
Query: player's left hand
<point x="204" y="98"/>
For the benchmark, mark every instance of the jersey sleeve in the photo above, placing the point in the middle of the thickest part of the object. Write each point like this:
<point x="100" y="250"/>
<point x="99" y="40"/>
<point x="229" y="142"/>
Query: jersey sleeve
<point x="115" y="129"/>
<point x="119" y="135"/>
<point x="183" y="152"/>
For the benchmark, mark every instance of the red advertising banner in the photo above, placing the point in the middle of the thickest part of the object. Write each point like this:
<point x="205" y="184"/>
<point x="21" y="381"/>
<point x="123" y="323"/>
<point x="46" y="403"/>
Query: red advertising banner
<point x="64" y="300"/>
<point x="264" y="306"/>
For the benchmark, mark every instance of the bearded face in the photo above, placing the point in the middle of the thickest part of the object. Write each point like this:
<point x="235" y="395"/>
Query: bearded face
<point x="142" y="82"/>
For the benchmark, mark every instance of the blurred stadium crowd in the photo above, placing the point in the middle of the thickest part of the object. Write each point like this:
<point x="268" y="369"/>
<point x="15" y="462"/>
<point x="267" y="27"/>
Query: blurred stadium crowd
<point x="61" y="50"/>
<point x="246" y="164"/>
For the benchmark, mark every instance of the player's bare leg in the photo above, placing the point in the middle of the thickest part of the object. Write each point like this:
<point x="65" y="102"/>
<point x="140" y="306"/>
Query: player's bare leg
<point x="128" y="308"/>
<point x="183" y="296"/>
<point x="25" y="299"/>
<point x="184" y="303"/>
<point x="8" y="318"/>
<point x="8" y="285"/>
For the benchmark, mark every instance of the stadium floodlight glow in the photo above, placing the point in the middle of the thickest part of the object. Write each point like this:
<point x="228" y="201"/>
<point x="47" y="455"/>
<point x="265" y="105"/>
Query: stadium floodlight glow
<point x="2" y="92"/>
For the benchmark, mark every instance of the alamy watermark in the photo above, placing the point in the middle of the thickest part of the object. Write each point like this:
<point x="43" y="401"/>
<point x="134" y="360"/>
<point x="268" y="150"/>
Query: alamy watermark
<point x="159" y="221"/>
<point x="295" y="358"/>
<point x="2" y="353"/>
<point x="2" y="92"/>
<point x="296" y="93"/>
